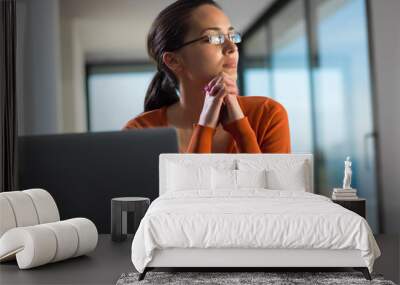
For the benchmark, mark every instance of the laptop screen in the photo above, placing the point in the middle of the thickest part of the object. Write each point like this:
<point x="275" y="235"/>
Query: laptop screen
<point x="84" y="171"/>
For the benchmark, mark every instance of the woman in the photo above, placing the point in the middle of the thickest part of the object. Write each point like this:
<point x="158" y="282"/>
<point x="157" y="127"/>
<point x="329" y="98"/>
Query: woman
<point x="194" y="47"/>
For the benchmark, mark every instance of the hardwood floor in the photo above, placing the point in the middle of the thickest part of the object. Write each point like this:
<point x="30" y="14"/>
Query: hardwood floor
<point x="110" y="260"/>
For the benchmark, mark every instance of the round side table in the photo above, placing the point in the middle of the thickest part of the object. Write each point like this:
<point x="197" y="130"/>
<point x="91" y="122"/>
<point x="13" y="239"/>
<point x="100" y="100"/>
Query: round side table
<point x="119" y="208"/>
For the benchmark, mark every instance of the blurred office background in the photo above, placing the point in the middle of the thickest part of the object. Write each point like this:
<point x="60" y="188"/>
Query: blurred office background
<point x="334" y="64"/>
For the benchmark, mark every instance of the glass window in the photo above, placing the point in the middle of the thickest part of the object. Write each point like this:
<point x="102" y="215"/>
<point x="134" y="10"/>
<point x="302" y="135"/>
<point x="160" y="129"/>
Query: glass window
<point x="290" y="72"/>
<point x="256" y="75"/>
<point x="329" y="102"/>
<point x="343" y="99"/>
<point x="116" y="95"/>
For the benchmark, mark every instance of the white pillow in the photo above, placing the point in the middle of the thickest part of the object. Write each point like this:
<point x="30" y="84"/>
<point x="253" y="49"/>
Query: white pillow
<point x="223" y="179"/>
<point x="251" y="178"/>
<point x="236" y="179"/>
<point x="293" y="178"/>
<point x="188" y="177"/>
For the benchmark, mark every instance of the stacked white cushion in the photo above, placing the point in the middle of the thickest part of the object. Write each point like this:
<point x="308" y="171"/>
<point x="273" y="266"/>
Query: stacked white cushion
<point x="31" y="232"/>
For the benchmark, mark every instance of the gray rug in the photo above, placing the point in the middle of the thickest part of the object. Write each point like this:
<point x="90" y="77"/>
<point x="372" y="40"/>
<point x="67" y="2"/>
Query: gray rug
<point x="225" y="278"/>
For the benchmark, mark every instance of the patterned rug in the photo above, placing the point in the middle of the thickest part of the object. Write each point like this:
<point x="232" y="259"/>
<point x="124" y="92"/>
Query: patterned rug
<point x="225" y="278"/>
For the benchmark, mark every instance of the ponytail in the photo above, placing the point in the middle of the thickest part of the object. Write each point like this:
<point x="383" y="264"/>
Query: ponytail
<point x="161" y="92"/>
<point x="167" y="33"/>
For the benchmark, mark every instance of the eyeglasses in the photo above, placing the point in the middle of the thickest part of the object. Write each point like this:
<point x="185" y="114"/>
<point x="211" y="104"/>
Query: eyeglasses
<point x="217" y="39"/>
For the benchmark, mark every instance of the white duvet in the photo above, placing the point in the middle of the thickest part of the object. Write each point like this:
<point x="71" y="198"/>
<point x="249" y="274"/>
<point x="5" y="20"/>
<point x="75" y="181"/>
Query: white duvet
<point x="251" y="218"/>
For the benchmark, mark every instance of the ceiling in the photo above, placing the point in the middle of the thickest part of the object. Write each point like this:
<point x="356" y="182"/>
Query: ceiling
<point x="116" y="30"/>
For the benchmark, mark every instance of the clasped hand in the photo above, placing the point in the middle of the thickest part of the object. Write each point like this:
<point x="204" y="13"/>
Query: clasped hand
<point x="220" y="103"/>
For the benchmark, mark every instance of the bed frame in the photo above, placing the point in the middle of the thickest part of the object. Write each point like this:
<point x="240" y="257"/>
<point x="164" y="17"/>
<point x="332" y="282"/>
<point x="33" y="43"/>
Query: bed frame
<point x="241" y="259"/>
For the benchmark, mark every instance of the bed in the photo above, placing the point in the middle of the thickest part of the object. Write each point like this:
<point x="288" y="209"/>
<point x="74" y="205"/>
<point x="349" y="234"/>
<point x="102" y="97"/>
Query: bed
<point x="247" y="210"/>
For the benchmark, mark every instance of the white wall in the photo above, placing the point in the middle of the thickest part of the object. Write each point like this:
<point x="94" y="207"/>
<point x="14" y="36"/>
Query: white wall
<point x="386" y="36"/>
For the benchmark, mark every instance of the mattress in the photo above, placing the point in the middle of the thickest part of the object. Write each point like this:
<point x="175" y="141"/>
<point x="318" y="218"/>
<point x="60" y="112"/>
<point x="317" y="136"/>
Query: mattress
<point x="250" y="218"/>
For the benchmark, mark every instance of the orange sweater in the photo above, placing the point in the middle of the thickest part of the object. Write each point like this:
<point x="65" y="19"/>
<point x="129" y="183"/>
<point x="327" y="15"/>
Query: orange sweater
<point x="263" y="129"/>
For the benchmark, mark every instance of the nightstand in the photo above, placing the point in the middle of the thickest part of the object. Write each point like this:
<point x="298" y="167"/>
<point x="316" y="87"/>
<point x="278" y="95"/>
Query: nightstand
<point x="119" y="219"/>
<point x="356" y="205"/>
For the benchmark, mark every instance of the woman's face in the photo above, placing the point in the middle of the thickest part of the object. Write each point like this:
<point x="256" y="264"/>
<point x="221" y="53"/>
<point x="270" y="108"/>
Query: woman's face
<point x="201" y="60"/>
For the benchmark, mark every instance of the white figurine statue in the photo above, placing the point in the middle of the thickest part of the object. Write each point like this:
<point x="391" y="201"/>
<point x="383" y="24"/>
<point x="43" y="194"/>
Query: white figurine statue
<point x="347" y="174"/>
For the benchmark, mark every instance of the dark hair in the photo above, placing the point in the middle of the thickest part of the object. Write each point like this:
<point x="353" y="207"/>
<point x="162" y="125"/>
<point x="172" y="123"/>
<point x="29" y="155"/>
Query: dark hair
<point x="167" y="34"/>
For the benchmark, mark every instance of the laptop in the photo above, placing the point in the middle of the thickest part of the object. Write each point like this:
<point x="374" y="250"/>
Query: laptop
<point x="84" y="171"/>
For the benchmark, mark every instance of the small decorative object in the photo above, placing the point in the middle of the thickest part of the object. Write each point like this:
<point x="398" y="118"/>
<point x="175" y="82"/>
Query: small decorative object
<point x="347" y="192"/>
<point x="347" y="174"/>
